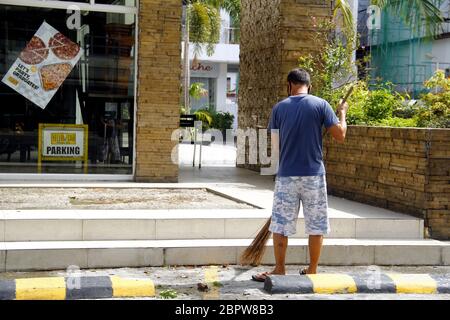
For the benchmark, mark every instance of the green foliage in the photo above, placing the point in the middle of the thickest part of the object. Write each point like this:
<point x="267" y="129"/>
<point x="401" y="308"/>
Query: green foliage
<point x="356" y="113"/>
<point x="381" y="103"/>
<point x="214" y="35"/>
<point x="369" y="106"/>
<point x="417" y="14"/>
<point x="435" y="112"/>
<point x="197" y="91"/>
<point x="233" y="7"/>
<point x="343" y="7"/>
<point x="382" y="106"/>
<point x="204" y="25"/>
<point x="333" y="62"/>
<point x="214" y="120"/>
<point x="398" y="122"/>
<point x="168" y="294"/>
<point x="204" y="116"/>
<point x="222" y="120"/>
<point x="204" y="21"/>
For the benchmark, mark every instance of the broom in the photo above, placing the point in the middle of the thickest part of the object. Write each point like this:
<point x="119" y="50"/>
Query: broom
<point x="255" y="251"/>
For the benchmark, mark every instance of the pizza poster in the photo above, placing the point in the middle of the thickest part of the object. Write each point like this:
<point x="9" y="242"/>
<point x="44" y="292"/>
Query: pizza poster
<point x="43" y="65"/>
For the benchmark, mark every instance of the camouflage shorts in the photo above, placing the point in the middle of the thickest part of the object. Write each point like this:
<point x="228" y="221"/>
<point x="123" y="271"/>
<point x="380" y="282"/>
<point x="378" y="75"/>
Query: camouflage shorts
<point x="311" y="192"/>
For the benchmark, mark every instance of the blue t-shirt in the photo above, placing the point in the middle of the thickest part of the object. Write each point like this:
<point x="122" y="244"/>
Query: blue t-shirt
<point x="300" y="120"/>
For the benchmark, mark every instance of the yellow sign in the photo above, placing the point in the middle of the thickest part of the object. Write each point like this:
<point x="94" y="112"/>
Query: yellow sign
<point x="63" y="142"/>
<point x="63" y="138"/>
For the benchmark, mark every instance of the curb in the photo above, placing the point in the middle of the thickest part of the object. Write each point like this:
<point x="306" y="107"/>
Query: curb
<point x="358" y="283"/>
<point x="74" y="288"/>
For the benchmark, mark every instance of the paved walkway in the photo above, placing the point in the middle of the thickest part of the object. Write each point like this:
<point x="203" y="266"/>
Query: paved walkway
<point x="238" y="183"/>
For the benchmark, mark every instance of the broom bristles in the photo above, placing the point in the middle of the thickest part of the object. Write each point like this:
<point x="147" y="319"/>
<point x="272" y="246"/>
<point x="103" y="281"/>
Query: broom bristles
<point x="255" y="251"/>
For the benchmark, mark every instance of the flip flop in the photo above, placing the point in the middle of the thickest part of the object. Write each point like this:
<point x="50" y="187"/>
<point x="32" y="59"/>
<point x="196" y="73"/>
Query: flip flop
<point x="304" y="271"/>
<point x="260" y="277"/>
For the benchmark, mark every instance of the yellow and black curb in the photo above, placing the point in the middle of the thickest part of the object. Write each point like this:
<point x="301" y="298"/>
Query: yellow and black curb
<point x="73" y="288"/>
<point x="359" y="283"/>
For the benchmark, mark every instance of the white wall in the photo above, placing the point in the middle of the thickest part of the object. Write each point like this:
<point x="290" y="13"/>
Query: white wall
<point x="441" y="52"/>
<point x="221" y="89"/>
<point x="233" y="80"/>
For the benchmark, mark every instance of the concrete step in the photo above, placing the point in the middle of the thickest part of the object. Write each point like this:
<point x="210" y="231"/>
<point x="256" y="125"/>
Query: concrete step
<point x="94" y="225"/>
<point x="55" y="255"/>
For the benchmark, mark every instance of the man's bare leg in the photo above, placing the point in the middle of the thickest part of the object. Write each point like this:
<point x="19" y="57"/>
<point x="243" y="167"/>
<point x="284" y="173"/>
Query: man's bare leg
<point x="280" y="243"/>
<point x="315" y="246"/>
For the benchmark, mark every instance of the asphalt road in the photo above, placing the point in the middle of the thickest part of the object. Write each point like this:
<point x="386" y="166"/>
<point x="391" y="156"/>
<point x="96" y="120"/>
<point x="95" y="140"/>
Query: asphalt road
<point x="233" y="282"/>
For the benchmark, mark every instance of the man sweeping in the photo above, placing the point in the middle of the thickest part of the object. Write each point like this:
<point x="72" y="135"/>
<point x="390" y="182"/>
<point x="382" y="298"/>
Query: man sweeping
<point x="296" y="129"/>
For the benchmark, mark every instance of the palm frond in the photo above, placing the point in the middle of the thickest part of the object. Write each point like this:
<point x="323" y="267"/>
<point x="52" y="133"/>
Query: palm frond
<point x="380" y="3"/>
<point x="214" y="30"/>
<point x="199" y="25"/>
<point x="204" y="116"/>
<point x="417" y="14"/>
<point x="343" y="7"/>
<point x="233" y="7"/>
<point x="197" y="90"/>
<point x="204" y="25"/>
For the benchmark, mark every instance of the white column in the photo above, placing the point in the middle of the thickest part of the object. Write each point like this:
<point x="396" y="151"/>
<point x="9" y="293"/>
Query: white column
<point x="221" y="87"/>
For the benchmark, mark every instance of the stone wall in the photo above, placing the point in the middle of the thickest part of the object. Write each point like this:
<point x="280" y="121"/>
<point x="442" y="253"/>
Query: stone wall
<point x="405" y="170"/>
<point x="274" y="34"/>
<point x="158" y="100"/>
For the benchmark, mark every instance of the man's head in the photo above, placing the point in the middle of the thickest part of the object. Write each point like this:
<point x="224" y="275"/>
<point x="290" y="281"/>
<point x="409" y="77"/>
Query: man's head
<point x="298" y="80"/>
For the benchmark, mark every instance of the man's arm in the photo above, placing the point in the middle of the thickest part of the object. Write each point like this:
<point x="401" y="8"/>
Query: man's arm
<point x="275" y="151"/>
<point x="338" y="131"/>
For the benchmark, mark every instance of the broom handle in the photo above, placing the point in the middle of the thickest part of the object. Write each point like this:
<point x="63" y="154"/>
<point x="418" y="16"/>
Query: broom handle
<point x="347" y="95"/>
<point x="344" y="100"/>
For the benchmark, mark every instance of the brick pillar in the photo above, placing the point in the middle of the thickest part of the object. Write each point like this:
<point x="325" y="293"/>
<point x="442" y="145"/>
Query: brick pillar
<point x="437" y="184"/>
<point x="158" y="97"/>
<point x="274" y="34"/>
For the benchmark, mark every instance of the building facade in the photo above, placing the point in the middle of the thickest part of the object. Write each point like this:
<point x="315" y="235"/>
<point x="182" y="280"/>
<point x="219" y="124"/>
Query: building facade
<point x="400" y="54"/>
<point x="89" y="89"/>
<point x="219" y="73"/>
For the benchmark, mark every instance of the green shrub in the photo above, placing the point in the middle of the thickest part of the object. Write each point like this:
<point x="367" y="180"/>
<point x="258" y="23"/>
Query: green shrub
<point x="398" y="122"/>
<point x="222" y="121"/>
<point x="356" y="114"/>
<point x="435" y="112"/>
<point x="381" y="103"/>
<point x="205" y="116"/>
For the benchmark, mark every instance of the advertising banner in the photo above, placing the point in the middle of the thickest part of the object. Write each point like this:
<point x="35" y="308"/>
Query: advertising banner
<point x="43" y="65"/>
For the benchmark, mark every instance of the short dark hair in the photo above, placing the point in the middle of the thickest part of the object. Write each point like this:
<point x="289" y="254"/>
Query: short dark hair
<point x="299" y="76"/>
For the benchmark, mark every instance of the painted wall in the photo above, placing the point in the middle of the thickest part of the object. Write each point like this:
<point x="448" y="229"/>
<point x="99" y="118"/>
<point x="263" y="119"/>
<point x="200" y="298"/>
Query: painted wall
<point x="441" y="53"/>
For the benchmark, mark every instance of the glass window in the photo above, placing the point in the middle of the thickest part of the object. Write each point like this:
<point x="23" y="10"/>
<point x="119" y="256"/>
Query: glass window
<point x="96" y="91"/>
<point x="208" y="100"/>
